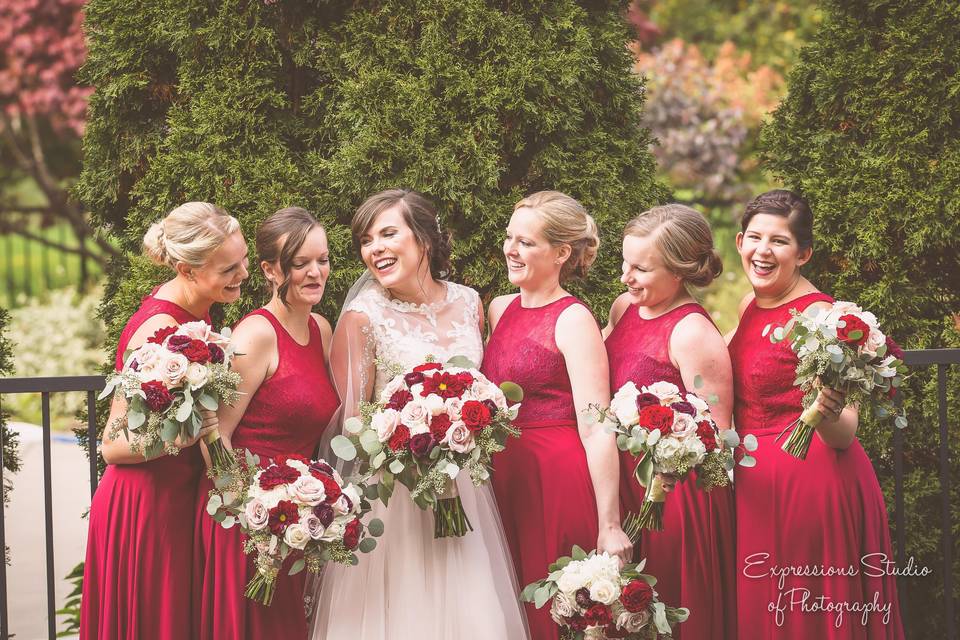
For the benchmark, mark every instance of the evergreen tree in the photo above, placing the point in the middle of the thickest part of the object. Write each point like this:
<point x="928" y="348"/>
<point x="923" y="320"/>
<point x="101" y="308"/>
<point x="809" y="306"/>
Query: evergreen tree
<point x="870" y="134"/>
<point x="11" y="458"/>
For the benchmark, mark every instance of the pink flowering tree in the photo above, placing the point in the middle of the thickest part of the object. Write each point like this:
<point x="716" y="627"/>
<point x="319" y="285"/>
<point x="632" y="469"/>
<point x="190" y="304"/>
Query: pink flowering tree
<point x="42" y="115"/>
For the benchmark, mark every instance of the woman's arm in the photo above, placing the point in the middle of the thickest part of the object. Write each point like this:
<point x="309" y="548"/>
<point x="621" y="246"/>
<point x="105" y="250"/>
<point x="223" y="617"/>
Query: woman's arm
<point x="621" y="304"/>
<point x="497" y="306"/>
<point x="352" y="361"/>
<point x="698" y="349"/>
<point x="582" y="347"/>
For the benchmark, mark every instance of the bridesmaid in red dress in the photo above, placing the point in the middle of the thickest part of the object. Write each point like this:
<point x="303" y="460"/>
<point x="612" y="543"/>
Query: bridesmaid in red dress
<point x="556" y="485"/>
<point x="287" y="400"/>
<point x="657" y="331"/>
<point x="139" y="562"/>
<point x="825" y="514"/>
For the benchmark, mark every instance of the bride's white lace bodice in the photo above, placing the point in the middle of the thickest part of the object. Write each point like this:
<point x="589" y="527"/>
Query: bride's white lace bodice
<point x="403" y="334"/>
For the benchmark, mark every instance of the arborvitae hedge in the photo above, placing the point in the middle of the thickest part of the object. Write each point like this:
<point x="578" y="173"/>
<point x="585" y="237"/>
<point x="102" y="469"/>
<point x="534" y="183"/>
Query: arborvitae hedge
<point x="11" y="459"/>
<point x="870" y="133"/>
<point x="320" y="103"/>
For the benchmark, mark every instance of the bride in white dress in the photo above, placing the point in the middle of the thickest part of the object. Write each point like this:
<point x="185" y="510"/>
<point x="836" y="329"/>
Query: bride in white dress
<point x="412" y="585"/>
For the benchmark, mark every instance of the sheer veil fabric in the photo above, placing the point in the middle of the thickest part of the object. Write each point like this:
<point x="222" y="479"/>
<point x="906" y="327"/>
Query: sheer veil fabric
<point x="412" y="586"/>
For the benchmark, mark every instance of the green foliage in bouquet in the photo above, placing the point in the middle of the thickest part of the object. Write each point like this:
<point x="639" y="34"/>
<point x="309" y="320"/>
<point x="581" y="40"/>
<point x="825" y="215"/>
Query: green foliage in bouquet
<point x="869" y="135"/>
<point x="320" y="103"/>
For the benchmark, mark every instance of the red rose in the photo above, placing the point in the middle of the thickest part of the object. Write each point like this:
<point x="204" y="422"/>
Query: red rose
<point x="399" y="439"/>
<point x="598" y="616"/>
<point x="399" y="400"/>
<point x="707" y="435"/>
<point x="162" y="334"/>
<point x="325" y="513"/>
<point x="427" y="367"/>
<point x="276" y="475"/>
<point x="636" y="596"/>
<point x="330" y="487"/>
<point x="282" y="458"/>
<point x="645" y="400"/>
<point x="421" y="444"/>
<point x="439" y="425"/>
<point x="158" y="397"/>
<point x="178" y="343"/>
<point x="216" y="353"/>
<point x="282" y="516"/>
<point x="445" y="385"/>
<point x="351" y="534"/>
<point x="653" y="416"/>
<point x="849" y="333"/>
<point x="475" y="415"/>
<point x="197" y="351"/>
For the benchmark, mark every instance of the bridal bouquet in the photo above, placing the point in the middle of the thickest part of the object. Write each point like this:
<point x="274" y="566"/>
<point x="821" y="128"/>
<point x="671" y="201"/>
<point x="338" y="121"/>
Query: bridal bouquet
<point x="592" y="598"/>
<point x="844" y="349"/>
<point x="291" y="505"/>
<point x="429" y="424"/>
<point x="166" y="382"/>
<point x="672" y="434"/>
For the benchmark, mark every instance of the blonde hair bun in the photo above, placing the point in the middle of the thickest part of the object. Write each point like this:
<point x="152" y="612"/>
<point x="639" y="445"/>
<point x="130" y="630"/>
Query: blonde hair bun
<point x="566" y="221"/>
<point x="684" y="240"/>
<point x="188" y="234"/>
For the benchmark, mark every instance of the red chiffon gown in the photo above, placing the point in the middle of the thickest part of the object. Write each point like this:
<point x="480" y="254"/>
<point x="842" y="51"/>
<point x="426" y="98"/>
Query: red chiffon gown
<point x="139" y="562"/>
<point x="825" y="514"/>
<point x="693" y="557"/>
<point x="541" y="481"/>
<point x="286" y="415"/>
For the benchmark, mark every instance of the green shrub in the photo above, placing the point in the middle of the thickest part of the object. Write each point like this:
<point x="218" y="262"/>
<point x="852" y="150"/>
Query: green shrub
<point x="869" y="133"/>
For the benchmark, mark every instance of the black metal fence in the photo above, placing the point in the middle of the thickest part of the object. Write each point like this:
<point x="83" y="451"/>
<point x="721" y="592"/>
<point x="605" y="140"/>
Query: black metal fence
<point x="940" y="358"/>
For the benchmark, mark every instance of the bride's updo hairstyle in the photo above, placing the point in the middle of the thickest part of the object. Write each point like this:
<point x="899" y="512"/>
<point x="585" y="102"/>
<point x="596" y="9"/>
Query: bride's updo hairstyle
<point x="786" y="204"/>
<point x="565" y="221"/>
<point x="684" y="240"/>
<point x="292" y="225"/>
<point x="189" y="234"/>
<point x="420" y="216"/>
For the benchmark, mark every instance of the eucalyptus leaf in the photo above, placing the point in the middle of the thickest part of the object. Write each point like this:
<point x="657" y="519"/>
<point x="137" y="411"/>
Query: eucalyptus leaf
<point x="169" y="430"/>
<point x="461" y="361"/>
<point x="396" y="467"/>
<point x="353" y="425"/>
<point x="228" y="522"/>
<point x="377" y="461"/>
<point x="214" y="503"/>
<point x="540" y="596"/>
<point x="697" y="381"/>
<point x="748" y="461"/>
<point x="512" y="391"/>
<point x="367" y="545"/>
<point x="135" y="419"/>
<point x="578" y="553"/>
<point x="375" y="527"/>
<point x="343" y="448"/>
<point x="184" y="410"/>
<point x="750" y="442"/>
<point x="297" y="567"/>
<point x="370" y="442"/>
<point x="208" y="402"/>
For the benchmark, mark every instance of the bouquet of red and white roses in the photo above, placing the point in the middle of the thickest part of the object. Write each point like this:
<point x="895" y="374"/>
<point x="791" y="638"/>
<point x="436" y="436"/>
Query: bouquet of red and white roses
<point x="592" y="598"/>
<point x="844" y="349"/>
<point x="166" y="382"/>
<point x="428" y="425"/>
<point x="671" y="434"/>
<point x="293" y="505"/>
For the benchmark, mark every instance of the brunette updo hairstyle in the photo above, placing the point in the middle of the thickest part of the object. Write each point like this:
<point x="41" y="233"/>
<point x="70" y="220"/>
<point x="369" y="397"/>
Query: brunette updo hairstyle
<point x="565" y="221"/>
<point x="189" y="234"/>
<point x="684" y="240"/>
<point x="419" y="214"/>
<point x="786" y="204"/>
<point x="280" y="236"/>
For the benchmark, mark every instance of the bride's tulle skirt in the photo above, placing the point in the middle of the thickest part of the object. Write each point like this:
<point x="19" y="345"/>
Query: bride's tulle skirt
<point x="413" y="586"/>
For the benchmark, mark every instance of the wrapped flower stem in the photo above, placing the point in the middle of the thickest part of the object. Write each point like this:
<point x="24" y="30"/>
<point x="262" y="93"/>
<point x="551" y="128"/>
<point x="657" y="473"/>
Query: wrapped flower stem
<point x="798" y="443"/>
<point x="651" y="512"/>
<point x="221" y="458"/>
<point x="261" y="589"/>
<point x="449" y="518"/>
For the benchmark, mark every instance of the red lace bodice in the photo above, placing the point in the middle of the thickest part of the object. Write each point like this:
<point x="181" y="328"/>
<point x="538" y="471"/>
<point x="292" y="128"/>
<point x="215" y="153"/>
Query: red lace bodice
<point x="289" y="412"/>
<point x="523" y="349"/>
<point x="639" y="349"/>
<point x="763" y="372"/>
<point x="149" y="307"/>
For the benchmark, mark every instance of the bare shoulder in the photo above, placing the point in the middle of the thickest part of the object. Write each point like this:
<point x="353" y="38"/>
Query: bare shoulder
<point x="497" y="306"/>
<point x="619" y="306"/>
<point x="254" y="331"/>
<point x="326" y="330"/>
<point x="695" y="332"/>
<point x="744" y="303"/>
<point x="576" y="317"/>
<point x="150" y="326"/>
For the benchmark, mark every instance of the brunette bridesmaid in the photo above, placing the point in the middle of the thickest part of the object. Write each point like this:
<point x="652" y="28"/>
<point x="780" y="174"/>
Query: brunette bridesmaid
<point x="139" y="561"/>
<point x="657" y="331"/>
<point x="556" y="485"/>
<point x="286" y="402"/>
<point x="825" y="514"/>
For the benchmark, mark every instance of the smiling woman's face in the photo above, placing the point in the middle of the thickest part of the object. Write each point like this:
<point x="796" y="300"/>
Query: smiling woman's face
<point x="770" y="254"/>
<point x="390" y="250"/>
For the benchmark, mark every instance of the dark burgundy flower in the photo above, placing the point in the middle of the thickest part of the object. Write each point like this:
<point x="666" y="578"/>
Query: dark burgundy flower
<point x="894" y="349"/>
<point x="325" y="513"/>
<point x="282" y="516"/>
<point x="598" y="615"/>
<point x="158" y="397"/>
<point x="412" y="378"/>
<point x="282" y="458"/>
<point x="707" y="435"/>
<point x="490" y="404"/>
<point x="399" y="439"/>
<point x="646" y="399"/>
<point x="162" y="334"/>
<point x="636" y="596"/>
<point x="849" y="332"/>
<point x="399" y="400"/>
<point x="351" y="534"/>
<point x="276" y="475"/>
<point x="421" y="444"/>
<point x="321" y="467"/>
<point x="216" y="353"/>
<point x="439" y="424"/>
<point x="582" y="596"/>
<point x="178" y="343"/>
<point x="475" y="415"/>
<point x="577" y="623"/>
<point x="197" y="351"/>
<point x="653" y="416"/>
<point x="684" y="407"/>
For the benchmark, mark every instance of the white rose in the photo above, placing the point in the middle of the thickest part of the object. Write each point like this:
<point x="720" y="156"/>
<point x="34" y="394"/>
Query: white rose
<point x="604" y="590"/>
<point x="633" y="622"/>
<point x="415" y="416"/>
<point x="198" y="330"/>
<point x="296" y="536"/>
<point x="666" y="449"/>
<point x="694" y="450"/>
<point x="385" y="423"/>
<point x="699" y="405"/>
<point x="174" y="368"/>
<point x="196" y="375"/>
<point x="840" y="308"/>
<point x="666" y="391"/>
<point x="434" y="404"/>
<point x="624" y="405"/>
<point x="313" y="526"/>
<point x="334" y="531"/>
<point x="684" y="426"/>
<point x="452" y="406"/>
<point x="147" y="357"/>
<point x="572" y="577"/>
<point x="459" y="438"/>
<point x="308" y="490"/>
<point x="351" y="492"/>
<point x="875" y="340"/>
<point x="257" y="514"/>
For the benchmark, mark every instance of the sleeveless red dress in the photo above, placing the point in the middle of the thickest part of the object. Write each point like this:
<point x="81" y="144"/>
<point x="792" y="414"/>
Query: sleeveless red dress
<point x="139" y="561"/>
<point x="286" y="415"/>
<point x="825" y="513"/>
<point x="541" y="481"/>
<point x="693" y="557"/>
